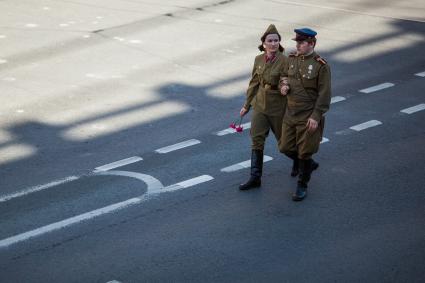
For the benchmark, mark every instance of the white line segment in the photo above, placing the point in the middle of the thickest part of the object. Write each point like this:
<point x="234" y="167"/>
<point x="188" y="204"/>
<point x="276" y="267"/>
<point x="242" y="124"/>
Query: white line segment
<point x="178" y="146"/>
<point x="324" y="140"/>
<point x="414" y="109"/>
<point x="336" y="99"/>
<point x="245" y="126"/>
<point x="377" y="87"/>
<point x="243" y="165"/>
<point x="187" y="183"/>
<point x="118" y="163"/>
<point x="421" y="74"/>
<point x="365" y="125"/>
<point x="67" y="222"/>
<point x="37" y="188"/>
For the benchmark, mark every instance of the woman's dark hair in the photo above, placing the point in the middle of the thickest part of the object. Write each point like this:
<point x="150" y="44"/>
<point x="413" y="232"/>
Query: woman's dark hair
<point x="261" y="47"/>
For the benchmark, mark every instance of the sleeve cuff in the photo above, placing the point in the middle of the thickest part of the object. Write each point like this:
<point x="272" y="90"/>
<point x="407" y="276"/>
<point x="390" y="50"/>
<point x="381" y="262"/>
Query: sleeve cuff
<point x="317" y="116"/>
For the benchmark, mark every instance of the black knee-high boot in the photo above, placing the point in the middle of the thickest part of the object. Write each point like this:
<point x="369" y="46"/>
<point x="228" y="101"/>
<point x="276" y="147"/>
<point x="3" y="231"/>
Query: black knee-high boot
<point x="256" y="171"/>
<point x="303" y="179"/>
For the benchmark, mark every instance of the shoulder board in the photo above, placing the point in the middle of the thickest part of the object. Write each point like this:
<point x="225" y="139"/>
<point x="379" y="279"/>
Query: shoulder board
<point x="320" y="60"/>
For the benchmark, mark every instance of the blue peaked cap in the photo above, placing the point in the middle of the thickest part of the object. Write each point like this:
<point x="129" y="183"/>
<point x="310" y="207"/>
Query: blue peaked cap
<point x="304" y="34"/>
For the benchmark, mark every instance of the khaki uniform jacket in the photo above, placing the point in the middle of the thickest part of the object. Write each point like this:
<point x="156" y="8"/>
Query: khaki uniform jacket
<point x="310" y="87"/>
<point x="263" y="92"/>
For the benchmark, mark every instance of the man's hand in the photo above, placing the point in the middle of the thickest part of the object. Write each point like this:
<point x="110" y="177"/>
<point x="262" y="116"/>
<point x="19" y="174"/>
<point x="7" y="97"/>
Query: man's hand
<point x="312" y="125"/>
<point x="284" y="85"/>
<point x="243" y="111"/>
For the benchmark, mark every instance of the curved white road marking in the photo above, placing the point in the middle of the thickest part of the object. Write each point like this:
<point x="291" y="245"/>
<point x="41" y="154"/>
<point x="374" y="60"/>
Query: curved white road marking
<point x="154" y="188"/>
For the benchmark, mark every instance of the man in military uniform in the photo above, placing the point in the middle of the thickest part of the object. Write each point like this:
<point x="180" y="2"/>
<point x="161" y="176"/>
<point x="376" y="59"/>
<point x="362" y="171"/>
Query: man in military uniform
<point x="268" y="103"/>
<point x="309" y="83"/>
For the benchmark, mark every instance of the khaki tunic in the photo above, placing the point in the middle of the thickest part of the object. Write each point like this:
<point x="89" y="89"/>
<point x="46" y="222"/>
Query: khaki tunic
<point x="309" y="97"/>
<point x="264" y="96"/>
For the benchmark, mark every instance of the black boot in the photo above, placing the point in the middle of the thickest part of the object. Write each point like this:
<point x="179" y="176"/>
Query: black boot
<point x="295" y="167"/>
<point x="256" y="171"/>
<point x="303" y="179"/>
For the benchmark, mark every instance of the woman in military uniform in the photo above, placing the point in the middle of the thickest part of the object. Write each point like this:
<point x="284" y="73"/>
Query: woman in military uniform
<point x="264" y="96"/>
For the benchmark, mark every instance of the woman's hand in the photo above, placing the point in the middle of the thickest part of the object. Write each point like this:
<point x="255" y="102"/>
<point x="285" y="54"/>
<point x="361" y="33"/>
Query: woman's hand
<point x="284" y="89"/>
<point x="243" y="111"/>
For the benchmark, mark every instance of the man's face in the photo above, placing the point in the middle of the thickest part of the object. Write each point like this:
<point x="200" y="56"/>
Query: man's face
<point x="271" y="43"/>
<point x="304" y="47"/>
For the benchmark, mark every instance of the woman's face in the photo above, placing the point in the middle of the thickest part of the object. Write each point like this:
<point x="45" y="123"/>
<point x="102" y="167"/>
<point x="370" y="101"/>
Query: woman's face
<point x="271" y="43"/>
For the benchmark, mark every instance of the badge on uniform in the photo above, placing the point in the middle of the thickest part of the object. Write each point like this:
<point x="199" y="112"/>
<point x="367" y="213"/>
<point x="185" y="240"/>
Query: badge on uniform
<point x="310" y="68"/>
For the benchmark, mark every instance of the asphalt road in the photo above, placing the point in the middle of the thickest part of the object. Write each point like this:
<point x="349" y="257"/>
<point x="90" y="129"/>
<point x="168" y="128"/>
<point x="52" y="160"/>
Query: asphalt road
<point x="94" y="93"/>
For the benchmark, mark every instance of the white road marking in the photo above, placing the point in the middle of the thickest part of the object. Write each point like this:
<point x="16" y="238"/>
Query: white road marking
<point x="421" y="74"/>
<point x="243" y="165"/>
<point x="113" y="281"/>
<point x="365" y="125"/>
<point x="70" y="221"/>
<point x="37" y="188"/>
<point x="336" y="99"/>
<point x="153" y="185"/>
<point x="414" y="109"/>
<point x="178" y="146"/>
<point x="107" y="209"/>
<point x="245" y="126"/>
<point x="118" y="163"/>
<point x="377" y="87"/>
<point x="187" y="183"/>
<point x="324" y="140"/>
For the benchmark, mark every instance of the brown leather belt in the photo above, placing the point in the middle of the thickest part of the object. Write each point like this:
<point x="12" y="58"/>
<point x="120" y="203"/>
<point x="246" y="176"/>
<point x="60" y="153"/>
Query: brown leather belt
<point x="272" y="87"/>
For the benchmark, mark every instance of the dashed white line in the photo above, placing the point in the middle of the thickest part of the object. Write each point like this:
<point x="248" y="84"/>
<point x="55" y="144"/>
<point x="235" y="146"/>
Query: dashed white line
<point x="187" y="183"/>
<point x="178" y="146"/>
<point x="421" y="74"/>
<point x="38" y="188"/>
<point x="377" y="87"/>
<point x="243" y="165"/>
<point x="113" y="281"/>
<point x="365" y="125"/>
<point x="414" y="109"/>
<point x="336" y="99"/>
<point x="245" y="126"/>
<point x="118" y="163"/>
<point x="324" y="140"/>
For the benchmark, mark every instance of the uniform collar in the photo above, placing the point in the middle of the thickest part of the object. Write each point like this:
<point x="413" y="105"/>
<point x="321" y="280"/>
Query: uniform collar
<point x="305" y="57"/>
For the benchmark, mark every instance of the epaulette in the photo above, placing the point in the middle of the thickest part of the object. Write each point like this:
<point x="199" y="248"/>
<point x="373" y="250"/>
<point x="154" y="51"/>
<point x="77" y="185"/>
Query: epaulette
<point x="320" y="60"/>
<point x="293" y="54"/>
